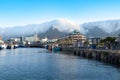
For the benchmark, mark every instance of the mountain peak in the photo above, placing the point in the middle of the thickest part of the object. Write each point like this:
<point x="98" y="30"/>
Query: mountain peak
<point x="61" y="25"/>
<point x="64" y="25"/>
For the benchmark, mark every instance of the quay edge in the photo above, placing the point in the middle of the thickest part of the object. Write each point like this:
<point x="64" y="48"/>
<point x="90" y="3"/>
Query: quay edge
<point x="108" y="56"/>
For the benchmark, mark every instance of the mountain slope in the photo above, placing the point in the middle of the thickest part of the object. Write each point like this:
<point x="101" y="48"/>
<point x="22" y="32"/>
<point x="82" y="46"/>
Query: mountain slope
<point x="63" y="25"/>
<point x="52" y="33"/>
<point x="96" y="32"/>
<point x="102" y="28"/>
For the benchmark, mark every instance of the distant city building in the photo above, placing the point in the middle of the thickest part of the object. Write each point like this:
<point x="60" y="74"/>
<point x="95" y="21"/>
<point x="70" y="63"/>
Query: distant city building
<point x="52" y="40"/>
<point x="22" y="38"/>
<point x="1" y="41"/>
<point x="117" y="39"/>
<point x="31" y="39"/>
<point x="0" y="37"/>
<point x="44" y="40"/>
<point x="36" y="38"/>
<point x="118" y="42"/>
<point x="94" y="40"/>
<point x="15" y="39"/>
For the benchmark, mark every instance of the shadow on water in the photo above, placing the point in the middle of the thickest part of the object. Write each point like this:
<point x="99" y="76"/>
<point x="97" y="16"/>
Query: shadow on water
<point x="93" y="60"/>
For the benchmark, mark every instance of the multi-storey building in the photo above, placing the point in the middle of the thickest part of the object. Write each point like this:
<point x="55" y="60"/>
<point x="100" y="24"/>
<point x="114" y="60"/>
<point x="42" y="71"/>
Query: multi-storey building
<point x="74" y="39"/>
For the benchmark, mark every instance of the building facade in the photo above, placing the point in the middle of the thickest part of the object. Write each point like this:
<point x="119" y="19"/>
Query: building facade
<point x="74" y="39"/>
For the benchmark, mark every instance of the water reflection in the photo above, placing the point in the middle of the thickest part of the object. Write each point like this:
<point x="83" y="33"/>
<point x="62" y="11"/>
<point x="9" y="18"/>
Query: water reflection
<point x="2" y="52"/>
<point x="40" y="64"/>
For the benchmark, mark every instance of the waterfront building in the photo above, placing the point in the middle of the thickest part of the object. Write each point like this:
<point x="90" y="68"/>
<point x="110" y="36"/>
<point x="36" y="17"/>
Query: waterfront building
<point x="74" y="39"/>
<point x="94" y="42"/>
<point x="15" y="39"/>
<point x="0" y="37"/>
<point x="1" y="41"/>
<point x="2" y="44"/>
<point x="44" y="40"/>
<point x="36" y="38"/>
<point x="77" y="38"/>
<point x="22" y="38"/>
<point x="30" y="39"/>
<point x="117" y="39"/>
<point x="12" y="41"/>
<point x="52" y="40"/>
<point x="117" y="42"/>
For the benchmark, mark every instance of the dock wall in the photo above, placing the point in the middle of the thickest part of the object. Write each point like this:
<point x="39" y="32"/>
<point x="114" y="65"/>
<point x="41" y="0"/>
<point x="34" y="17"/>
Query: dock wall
<point x="110" y="56"/>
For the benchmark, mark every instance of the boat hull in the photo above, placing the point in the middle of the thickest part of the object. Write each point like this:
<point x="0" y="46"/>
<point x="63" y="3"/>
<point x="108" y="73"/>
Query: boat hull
<point x="56" y="49"/>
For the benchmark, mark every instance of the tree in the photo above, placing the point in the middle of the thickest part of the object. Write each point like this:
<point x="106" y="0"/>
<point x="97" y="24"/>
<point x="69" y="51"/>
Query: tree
<point x="86" y="43"/>
<point x="108" y="41"/>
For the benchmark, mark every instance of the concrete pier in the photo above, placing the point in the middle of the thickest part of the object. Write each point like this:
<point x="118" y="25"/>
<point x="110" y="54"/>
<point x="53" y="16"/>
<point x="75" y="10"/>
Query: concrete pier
<point x="109" y="56"/>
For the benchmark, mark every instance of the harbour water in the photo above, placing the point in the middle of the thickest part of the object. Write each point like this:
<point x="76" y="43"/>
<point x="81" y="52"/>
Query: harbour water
<point x="40" y="64"/>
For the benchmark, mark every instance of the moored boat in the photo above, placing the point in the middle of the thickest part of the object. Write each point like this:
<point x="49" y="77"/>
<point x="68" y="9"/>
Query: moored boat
<point x="56" y="48"/>
<point x="10" y="47"/>
<point x="2" y="46"/>
<point x="16" y="46"/>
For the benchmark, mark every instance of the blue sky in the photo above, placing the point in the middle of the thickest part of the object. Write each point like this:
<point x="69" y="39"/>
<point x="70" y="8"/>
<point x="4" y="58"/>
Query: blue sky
<point x="23" y="12"/>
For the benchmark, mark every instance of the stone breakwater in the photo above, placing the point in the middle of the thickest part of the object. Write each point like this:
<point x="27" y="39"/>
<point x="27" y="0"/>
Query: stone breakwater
<point x="109" y="56"/>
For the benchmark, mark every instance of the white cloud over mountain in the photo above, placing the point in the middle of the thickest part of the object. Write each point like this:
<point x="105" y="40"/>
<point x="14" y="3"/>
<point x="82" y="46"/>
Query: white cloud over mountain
<point x="100" y="28"/>
<point x="63" y="25"/>
<point x="108" y="26"/>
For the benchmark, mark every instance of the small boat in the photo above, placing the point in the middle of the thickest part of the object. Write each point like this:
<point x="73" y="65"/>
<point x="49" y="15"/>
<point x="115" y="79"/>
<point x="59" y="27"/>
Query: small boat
<point x="56" y="48"/>
<point x="16" y="46"/>
<point x="10" y="47"/>
<point x="23" y="46"/>
<point x="3" y="46"/>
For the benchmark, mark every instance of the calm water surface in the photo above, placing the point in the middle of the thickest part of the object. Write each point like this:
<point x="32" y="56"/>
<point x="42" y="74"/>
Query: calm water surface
<point x="40" y="64"/>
